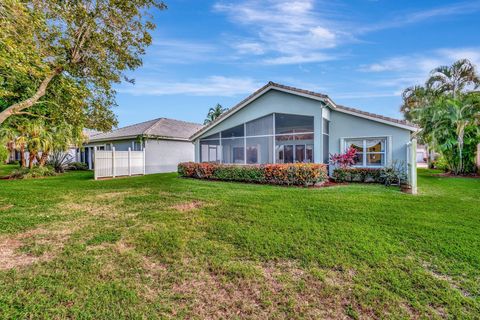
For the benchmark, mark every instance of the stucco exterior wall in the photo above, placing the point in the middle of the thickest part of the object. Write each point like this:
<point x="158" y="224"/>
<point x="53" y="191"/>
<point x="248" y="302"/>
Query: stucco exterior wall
<point x="164" y="155"/>
<point x="349" y="126"/>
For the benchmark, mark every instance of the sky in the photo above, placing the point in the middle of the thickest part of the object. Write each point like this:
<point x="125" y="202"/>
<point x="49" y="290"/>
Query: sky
<point x="362" y="53"/>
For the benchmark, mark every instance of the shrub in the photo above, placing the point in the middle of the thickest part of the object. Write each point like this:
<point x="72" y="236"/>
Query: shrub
<point x="77" y="166"/>
<point x="35" y="172"/>
<point x="3" y="153"/>
<point x="283" y="174"/>
<point x="394" y="174"/>
<point x="60" y="161"/>
<point x="357" y="175"/>
<point x="344" y="160"/>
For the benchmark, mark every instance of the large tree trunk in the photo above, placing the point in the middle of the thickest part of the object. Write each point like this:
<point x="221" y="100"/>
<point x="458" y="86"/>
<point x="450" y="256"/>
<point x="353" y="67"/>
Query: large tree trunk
<point x="22" y="105"/>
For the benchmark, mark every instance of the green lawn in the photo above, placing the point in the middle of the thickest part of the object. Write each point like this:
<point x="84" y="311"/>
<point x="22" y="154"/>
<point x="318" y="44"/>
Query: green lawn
<point x="164" y="247"/>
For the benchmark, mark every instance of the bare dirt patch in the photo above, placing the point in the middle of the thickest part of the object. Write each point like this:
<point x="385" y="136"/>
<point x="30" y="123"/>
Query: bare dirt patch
<point x="188" y="206"/>
<point x="284" y="290"/>
<point x="6" y="207"/>
<point x="11" y="255"/>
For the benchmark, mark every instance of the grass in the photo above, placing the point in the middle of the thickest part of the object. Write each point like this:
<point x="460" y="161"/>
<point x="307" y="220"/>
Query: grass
<point x="160" y="246"/>
<point x="5" y="170"/>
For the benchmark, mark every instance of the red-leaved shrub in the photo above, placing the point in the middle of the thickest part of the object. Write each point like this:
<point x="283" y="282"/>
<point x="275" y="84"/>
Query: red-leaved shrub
<point x="305" y="174"/>
<point x="344" y="160"/>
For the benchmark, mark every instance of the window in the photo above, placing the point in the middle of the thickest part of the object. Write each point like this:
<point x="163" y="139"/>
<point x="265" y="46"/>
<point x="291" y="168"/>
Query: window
<point x="232" y="150"/>
<point x="210" y="151"/>
<point x="238" y="131"/>
<point x="260" y="127"/>
<point x="326" y="141"/>
<point x="136" y="146"/>
<point x="259" y="150"/>
<point x="292" y="123"/>
<point x="370" y="152"/>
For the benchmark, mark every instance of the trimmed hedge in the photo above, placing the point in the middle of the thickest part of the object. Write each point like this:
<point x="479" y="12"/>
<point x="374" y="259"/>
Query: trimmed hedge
<point x="368" y="175"/>
<point x="305" y="174"/>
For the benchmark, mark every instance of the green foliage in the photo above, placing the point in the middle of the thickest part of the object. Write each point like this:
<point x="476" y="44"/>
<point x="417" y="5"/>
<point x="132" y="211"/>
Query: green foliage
<point x="34" y="172"/>
<point x="304" y="174"/>
<point x="394" y="174"/>
<point x="69" y="54"/>
<point x="3" y="153"/>
<point x="76" y="166"/>
<point x="214" y="113"/>
<point x="447" y="109"/>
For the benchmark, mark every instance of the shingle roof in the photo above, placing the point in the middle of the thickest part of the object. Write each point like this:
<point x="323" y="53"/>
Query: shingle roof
<point x="158" y="128"/>
<point x="273" y="85"/>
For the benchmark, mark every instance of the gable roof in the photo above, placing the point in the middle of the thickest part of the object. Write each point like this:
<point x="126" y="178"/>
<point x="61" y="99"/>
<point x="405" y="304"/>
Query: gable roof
<point x="311" y="95"/>
<point x="163" y="128"/>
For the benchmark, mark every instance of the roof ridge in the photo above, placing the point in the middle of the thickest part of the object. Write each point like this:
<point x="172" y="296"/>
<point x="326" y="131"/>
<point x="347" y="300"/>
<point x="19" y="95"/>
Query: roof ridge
<point x="132" y="125"/>
<point x="159" y="121"/>
<point x="150" y="128"/>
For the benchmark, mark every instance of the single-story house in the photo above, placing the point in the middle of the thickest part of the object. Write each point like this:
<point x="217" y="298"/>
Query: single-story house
<point x="282" y="124"/>
<point x="165" y="141"/>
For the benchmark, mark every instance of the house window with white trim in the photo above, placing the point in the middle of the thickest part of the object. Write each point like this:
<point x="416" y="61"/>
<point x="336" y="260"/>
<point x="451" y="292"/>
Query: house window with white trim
<point x="371" y="152"/>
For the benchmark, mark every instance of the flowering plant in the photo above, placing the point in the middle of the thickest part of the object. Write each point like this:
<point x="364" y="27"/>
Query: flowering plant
<point x="344" y="160"/>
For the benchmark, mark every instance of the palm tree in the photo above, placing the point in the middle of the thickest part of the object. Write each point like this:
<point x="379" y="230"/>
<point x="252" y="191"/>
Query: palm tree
<point x="453" y="79"/>
<point x="37" y="140"/>
<point x="461" y="114"/>
<point x="214" y="113"/>
<point x="7" y="136"/>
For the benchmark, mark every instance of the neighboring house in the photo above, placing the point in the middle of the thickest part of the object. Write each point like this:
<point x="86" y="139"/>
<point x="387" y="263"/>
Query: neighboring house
<point x="166" y="143"/>
<point x="281" y="124"/>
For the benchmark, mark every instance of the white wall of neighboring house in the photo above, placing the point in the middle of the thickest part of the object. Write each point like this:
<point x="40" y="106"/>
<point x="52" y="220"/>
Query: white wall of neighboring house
<point x="165" y="155"/>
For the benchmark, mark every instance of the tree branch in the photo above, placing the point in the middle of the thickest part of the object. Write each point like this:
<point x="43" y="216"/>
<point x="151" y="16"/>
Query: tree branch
<point x="19" y="106"/>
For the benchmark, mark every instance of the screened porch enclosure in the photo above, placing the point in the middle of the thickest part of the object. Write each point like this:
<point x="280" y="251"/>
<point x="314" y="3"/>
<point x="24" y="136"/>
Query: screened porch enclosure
<point x="275" y="138"/>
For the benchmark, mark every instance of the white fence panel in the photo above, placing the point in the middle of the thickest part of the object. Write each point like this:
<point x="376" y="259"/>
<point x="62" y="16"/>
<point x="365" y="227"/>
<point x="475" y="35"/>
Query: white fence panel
<point x="111" y="164"/>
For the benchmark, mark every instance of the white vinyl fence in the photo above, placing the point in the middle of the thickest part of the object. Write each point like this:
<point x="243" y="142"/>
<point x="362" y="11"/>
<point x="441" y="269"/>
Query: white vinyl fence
<point x="111" y="164"/>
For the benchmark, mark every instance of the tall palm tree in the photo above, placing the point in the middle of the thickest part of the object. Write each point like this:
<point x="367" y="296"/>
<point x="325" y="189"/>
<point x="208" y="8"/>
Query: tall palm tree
<point x="214" y="113"/>
<point x="454" y="79"/>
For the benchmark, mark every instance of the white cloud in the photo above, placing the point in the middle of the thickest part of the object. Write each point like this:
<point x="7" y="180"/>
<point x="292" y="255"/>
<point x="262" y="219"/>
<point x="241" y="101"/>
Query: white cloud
<point x="210" y="86"/>
<point x="254" y="48"/>
<point x="403" y="19"/>
<point x="425" y="62"/>
<point x="298" y="59"/>
<point x="286" y="32"/>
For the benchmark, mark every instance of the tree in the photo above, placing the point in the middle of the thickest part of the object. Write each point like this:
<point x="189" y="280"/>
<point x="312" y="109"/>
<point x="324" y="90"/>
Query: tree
<point x="88" y="45"/>
<point x="214" y="113"/>
<point x="454" y="79"/>
<point x="447" y="110"/>
<point x="455" y="128"/>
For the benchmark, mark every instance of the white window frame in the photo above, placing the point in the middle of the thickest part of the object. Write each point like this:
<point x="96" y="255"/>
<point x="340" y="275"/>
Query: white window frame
<point x="387" y="152"/>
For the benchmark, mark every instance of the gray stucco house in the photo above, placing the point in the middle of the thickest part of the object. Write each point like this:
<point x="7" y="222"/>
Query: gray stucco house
<point x="281" y="124"/>
<point x="166" y="143"/>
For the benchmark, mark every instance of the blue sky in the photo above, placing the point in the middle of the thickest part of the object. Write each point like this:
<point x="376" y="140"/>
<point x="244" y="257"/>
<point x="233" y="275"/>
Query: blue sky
<point x="361" y="53"/>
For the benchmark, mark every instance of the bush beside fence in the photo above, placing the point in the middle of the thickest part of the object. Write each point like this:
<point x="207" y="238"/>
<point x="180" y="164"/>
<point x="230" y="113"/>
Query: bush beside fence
<point x="305" y="174"/>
